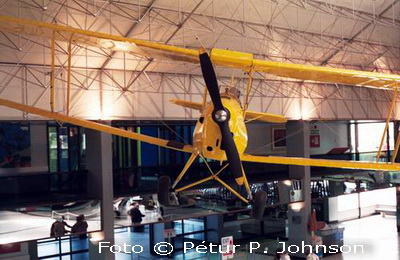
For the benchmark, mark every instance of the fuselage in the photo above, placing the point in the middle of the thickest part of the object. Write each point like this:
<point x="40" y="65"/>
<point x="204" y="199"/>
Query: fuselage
<point x="207" y="135"/>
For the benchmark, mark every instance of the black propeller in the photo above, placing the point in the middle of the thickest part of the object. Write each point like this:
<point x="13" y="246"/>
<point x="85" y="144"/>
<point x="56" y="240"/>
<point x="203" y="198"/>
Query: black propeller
<point x="221" y="116"/>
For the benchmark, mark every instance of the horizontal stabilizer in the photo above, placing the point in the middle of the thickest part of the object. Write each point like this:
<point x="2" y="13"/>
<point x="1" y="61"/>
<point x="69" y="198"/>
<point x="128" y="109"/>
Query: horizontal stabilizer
<point x="188" y="104"/>
<point x="265" y="117"/>
<point x="250" y="115"/>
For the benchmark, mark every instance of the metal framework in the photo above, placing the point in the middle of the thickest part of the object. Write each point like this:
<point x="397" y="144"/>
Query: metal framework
<point x="111" y="85"/>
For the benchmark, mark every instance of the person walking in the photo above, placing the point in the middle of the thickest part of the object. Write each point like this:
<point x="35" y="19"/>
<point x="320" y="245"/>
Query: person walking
<point x="58" y="228"/>
<point x="80" y="227"/>
<point x="64" y="222"/>
<point x="136" y="217"/>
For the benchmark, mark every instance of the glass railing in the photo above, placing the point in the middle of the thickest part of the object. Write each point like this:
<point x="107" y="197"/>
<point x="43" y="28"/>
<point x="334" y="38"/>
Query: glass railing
<point x="67" y="247"/>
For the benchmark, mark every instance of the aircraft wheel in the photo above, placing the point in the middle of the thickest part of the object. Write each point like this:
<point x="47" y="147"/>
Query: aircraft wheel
<point x="259" y="201"/>
<point x="163" y="190"/>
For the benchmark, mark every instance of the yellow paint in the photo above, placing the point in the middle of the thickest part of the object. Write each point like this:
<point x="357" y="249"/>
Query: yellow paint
<point x="207" y="135"/>
<point x="233" y="59"/>
<point x="325" y="74"/>
<point x="265" y="117"/>
<point x="192" y="157"/>
<point x="396" y="150"/>
<point x="191" y="185"/>
<point x="188" y="104"/>
<point x="392" y="104"/>
<point x="248" y="90"/>
<point x="102" y="40"/>
<point x="52" y="73"/>
<point x="231" y="190"/>
<point x="69" y="73"/>
<point x="202" y="180"/>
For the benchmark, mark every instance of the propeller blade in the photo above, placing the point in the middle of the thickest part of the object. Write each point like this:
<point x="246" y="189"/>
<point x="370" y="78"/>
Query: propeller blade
<point x="210" y="78"/>
<point x="232" y="154"/>
<point x="221" y="117"/>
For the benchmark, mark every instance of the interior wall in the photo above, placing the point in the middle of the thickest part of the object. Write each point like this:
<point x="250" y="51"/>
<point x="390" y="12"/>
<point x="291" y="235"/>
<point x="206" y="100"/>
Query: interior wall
<point x="21" y="253"/>
<point x="346" y="207"/>
<point x="333" y="134"/>
<point x="38" y="150"/>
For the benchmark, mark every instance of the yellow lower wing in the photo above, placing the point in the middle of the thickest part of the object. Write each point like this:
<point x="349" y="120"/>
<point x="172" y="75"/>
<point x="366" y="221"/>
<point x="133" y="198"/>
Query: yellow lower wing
<point x="377" y="166"/>
<point x="98" y="127"/>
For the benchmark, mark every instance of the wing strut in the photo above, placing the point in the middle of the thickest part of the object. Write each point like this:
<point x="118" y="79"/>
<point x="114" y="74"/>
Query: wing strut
<point x="192" y="157"/>
<point x="386" y="128"/>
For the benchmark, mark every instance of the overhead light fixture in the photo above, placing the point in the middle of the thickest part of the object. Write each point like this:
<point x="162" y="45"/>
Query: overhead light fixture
<point x="121" y="46"/>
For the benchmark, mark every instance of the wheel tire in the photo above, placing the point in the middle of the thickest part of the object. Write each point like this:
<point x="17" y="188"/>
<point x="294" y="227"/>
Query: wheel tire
<point x="259" y="202"/>
<point x="163" y="190"/>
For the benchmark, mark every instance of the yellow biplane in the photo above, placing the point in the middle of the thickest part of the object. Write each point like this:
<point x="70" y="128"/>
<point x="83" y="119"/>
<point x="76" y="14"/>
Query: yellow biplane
<point x="220" y="133"/>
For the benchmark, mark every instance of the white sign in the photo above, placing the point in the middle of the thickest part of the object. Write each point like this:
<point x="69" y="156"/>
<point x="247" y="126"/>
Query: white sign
<point x="227" y="247"/>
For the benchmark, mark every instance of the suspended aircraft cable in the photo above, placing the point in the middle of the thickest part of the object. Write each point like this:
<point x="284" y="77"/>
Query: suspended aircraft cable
<point x="161" y="120"/>
<point x="164" y="123"/>
<point x="171" y="69"/>
<point x="173" y="131"/>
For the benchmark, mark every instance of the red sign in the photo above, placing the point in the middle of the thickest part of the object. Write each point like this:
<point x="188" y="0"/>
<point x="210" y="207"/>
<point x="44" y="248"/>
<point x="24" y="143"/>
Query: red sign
<point x="169" y="233"/>
<point x="10" y="248"/>
<point x="315" y="141"/>
<point x="227" y="247"/>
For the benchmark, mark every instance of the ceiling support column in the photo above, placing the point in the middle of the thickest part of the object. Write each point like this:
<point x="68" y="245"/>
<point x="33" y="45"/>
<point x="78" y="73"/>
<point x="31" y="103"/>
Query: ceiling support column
<point x="100" y="186"/>
<point x="297" y="145"/>
<point x="396" y="133"/>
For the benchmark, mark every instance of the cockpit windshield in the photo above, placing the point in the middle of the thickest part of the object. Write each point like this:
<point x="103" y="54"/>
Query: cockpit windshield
<point x="232" y="92"/>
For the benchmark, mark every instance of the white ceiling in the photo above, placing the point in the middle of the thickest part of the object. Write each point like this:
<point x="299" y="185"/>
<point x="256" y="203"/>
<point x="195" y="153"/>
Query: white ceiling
<point x="360" y="33"/>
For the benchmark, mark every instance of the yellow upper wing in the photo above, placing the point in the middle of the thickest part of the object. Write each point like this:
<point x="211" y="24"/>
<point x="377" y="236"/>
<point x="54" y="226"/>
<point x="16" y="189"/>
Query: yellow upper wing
<point x="96" y="39"/>
<point x="305" y="72"/>
<point x="222" y="57"/>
